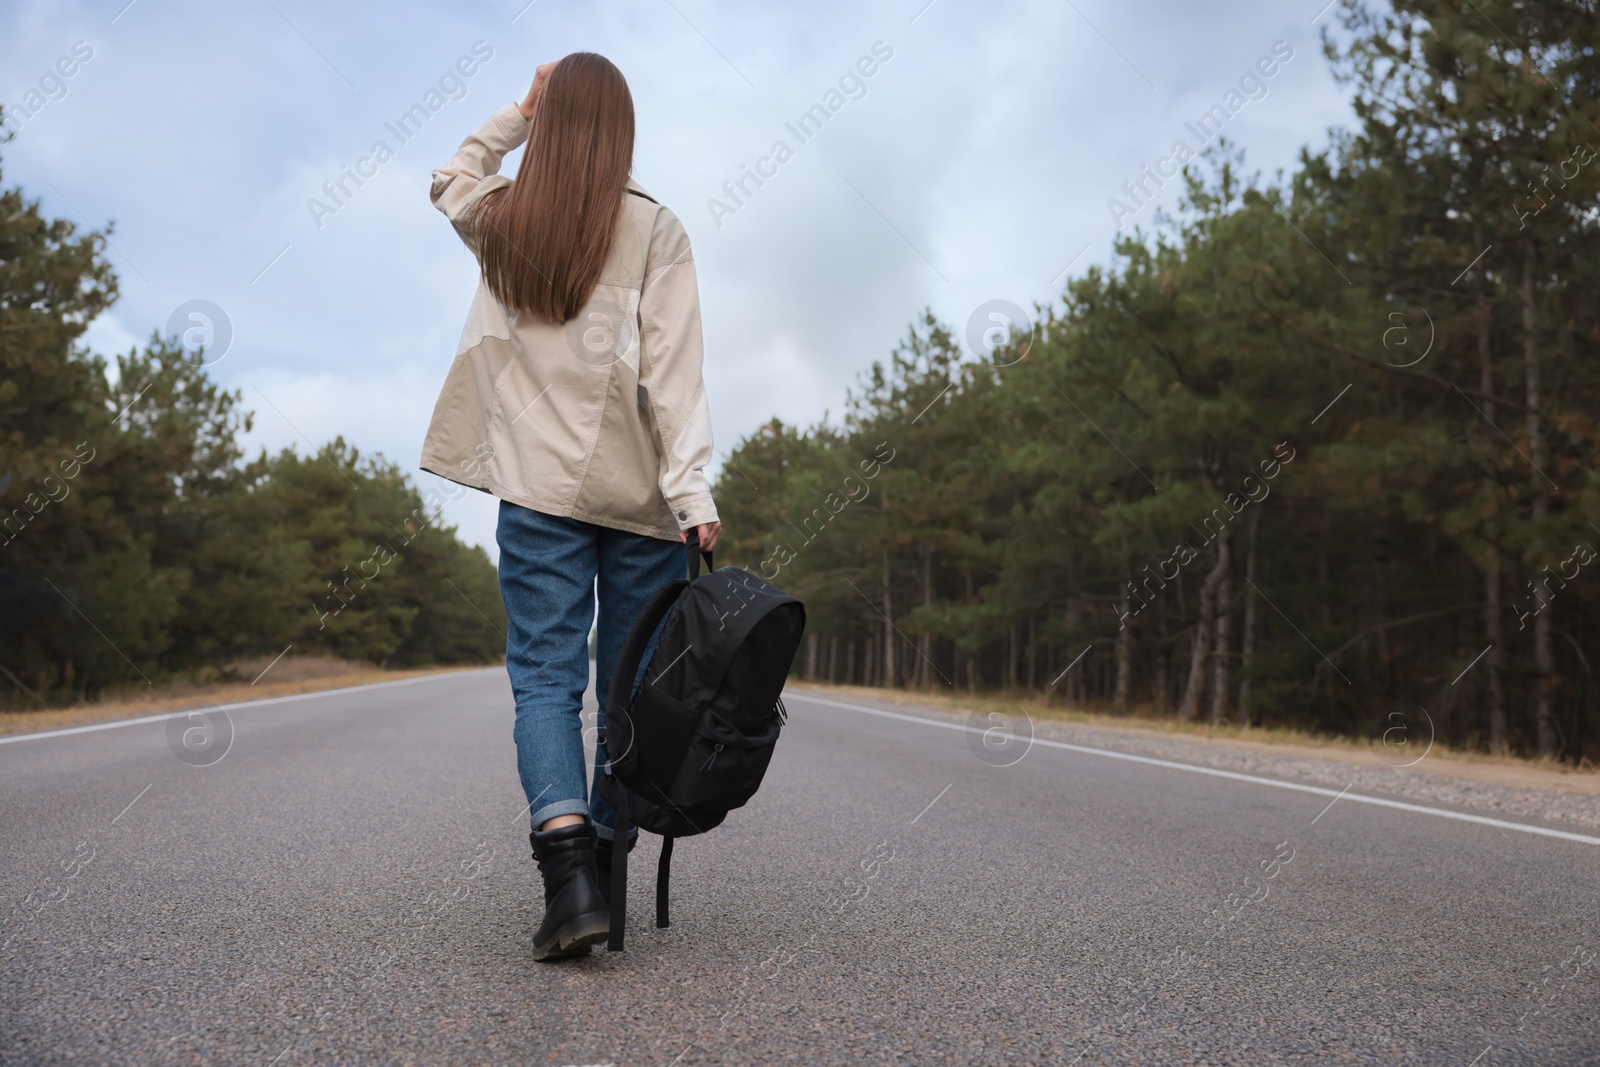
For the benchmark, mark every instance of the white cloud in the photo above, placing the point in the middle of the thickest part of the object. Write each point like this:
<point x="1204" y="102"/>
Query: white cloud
<point x="989" y="144"/>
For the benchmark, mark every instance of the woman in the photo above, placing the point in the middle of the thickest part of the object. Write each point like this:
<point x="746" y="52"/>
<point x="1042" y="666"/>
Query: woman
<point x="576" y="398"/>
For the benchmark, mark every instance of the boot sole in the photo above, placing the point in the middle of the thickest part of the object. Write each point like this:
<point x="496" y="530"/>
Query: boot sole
<point x="575" y="937"/>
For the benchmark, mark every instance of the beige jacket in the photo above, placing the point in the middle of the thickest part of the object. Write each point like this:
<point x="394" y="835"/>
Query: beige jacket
<point x="604" y="419"/>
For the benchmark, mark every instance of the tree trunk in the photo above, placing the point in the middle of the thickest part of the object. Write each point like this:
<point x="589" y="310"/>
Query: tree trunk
<point x="888" y="626"/>
<point x="1322" y="576"/>
<point x="1223" y="600"/>
<point x="1033" y="656"/>
<point x="1074" y="690"/>
<point x="1493" y="617"/>
<point x="1182" y="669"/>
<point x="1494" y="633"/>
<point x="1163" y="660"/>
<point x="833" y="660"/>
<point x="811" y="657"/>
<point x="1013" y="648"/>
<point x="925" y="638"/>
<point x="1544" y="650"/>
<point x="850" y="662"/>
<point x="1247" y="649"/>
<point x="1124" y="656"/>
<point x="971" y="670"/>
<point x="1200" y="654"/>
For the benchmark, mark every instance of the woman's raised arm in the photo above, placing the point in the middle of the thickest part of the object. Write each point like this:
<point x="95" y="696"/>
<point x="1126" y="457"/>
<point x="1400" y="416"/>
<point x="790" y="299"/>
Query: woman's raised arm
<point x="458" y="184"/>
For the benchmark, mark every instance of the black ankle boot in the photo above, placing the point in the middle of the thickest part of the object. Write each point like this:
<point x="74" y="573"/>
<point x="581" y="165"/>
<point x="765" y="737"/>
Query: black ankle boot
<point x="575" y="913"/>
<point x="602" y="863"/>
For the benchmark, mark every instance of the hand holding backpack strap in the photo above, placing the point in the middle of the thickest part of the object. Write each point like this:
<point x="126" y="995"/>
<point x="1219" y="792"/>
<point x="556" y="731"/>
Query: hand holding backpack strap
<point x="694" y="564"/>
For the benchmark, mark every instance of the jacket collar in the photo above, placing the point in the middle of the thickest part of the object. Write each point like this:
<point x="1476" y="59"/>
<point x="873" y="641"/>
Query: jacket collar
<point x="634" y="188"/>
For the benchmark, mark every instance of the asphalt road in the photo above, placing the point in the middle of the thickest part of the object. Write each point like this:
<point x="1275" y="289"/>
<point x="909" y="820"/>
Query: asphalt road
<point x="350" y="883"/>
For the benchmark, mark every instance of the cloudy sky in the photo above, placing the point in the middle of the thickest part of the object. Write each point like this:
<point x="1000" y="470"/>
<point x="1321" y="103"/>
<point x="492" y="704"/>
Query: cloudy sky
<point x="974" y="164"/>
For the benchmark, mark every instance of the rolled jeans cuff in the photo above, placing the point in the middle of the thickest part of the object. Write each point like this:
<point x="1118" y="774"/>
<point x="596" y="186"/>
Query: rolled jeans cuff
<point x="559" y="807"/>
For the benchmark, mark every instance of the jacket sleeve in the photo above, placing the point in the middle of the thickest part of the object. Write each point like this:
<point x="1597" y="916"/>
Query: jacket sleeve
<point x="458" y="185"/>
<point x="669" y="373"/>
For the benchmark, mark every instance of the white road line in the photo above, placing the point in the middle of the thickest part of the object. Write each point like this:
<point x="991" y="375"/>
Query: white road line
<point x="1443" y="813"/>
<point x="236" y="707"/>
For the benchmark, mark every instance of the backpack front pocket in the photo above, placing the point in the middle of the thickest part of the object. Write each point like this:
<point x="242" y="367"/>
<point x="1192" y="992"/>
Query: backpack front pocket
<point x="663" y="728"/>
<point x="722" y="763"/>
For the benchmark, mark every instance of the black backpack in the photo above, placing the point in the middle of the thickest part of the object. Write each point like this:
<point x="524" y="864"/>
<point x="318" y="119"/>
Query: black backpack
<point x="693" y="741"/>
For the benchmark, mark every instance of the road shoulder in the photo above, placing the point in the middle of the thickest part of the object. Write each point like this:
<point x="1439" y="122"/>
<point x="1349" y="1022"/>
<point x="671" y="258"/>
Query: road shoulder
<point x="27" y="722"/>
<point x="1487" y="786"/>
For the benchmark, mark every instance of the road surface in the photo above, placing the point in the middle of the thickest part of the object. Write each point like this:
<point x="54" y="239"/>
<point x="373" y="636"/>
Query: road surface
<point x="350" y="883"/>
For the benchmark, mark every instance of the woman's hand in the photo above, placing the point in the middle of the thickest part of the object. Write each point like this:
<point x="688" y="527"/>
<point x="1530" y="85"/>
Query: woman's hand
<point x="540" y="76"/>
<point x="708" y="532"/>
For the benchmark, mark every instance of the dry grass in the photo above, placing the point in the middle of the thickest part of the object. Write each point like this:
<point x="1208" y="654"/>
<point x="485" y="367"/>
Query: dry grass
<point x="1441" y="759"/>
<point x="290" y="676"/>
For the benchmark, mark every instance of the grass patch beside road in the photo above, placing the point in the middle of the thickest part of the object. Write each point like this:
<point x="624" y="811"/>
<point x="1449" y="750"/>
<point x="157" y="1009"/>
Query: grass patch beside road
<point x="289" y="677"/>
<point x="1440" y="759"/>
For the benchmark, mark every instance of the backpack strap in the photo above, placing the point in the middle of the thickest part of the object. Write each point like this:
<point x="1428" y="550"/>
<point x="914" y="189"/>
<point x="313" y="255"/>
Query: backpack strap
<point x="617" y="697"/>
<point x="644" y="627"/>
<point x="663" y="879"/>
<point x="627" y="669"/>
<point x="619" y="871"/>
<point x="694" y="564"/>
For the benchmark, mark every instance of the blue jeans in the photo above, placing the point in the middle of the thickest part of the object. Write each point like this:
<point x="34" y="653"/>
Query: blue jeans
<point x="548" y="571"/>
